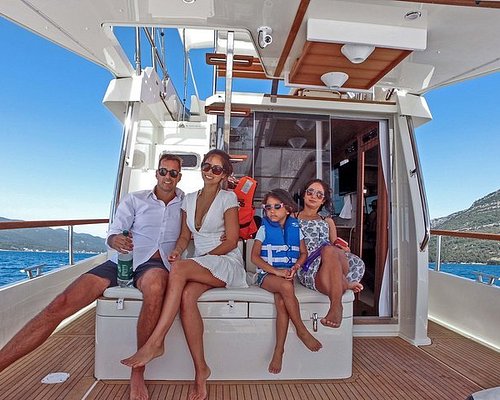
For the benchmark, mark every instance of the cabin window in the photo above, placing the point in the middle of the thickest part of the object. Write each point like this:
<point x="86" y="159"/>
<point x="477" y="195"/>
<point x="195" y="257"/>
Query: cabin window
<point x="189" y="160"/>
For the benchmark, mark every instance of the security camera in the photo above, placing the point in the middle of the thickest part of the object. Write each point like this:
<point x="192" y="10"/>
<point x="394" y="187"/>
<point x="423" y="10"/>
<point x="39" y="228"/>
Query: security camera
<point x="265" y="38"/>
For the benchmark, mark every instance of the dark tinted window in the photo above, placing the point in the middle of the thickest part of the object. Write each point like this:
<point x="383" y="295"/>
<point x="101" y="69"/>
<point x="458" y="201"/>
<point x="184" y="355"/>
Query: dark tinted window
<point x="188" y="160"/>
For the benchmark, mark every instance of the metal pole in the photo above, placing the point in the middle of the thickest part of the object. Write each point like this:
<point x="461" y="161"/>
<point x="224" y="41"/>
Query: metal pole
<point x="437" y="267"/>
<point x="70" y="245"/>
<point x="319" y="144"/>
<point x="127" y="132"/>
<point x="185" y="75"/>
<point x="138" y="51"/>
<point x="214" y="83"/>
<point x="153" y="48"/>
<point x="229" y="88"/>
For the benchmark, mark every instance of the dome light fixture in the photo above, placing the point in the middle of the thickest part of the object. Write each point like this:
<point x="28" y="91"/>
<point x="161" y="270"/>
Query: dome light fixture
<point x="334" y="79"/>
<point x="357" y="53"/>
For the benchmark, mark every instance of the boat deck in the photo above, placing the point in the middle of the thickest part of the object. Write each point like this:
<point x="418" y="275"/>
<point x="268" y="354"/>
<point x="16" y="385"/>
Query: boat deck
<point x="452" y="367"/>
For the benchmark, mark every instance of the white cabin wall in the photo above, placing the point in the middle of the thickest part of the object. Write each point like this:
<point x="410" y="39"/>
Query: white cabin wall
<point x="412" y="276"/>
<point x="174" y="137"/>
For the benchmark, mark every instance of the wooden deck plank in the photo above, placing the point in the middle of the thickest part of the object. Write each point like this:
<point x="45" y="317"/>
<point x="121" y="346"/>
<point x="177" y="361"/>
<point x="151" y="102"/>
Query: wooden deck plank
<point x="452" y="367"/>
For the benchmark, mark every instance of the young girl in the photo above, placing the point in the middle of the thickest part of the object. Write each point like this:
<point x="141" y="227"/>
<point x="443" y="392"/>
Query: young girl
<point x="278" y="252"/>
<point x="327" y="273"/>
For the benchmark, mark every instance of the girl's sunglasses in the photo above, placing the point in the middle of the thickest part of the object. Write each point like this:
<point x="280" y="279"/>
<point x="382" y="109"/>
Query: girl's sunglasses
<point x="172" y="172"/>
<point x="269" y="207"/>
<point x="311" y="192"/>
<point x="216" y="169"/>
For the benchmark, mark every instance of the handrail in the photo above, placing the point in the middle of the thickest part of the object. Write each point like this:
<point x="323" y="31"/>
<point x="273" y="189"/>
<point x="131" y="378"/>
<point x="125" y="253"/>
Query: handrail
<point x="418" y="171"/>
<point x="5" y="225"/>
<point x="47" y="223"/>
<point x="470" y="235"/>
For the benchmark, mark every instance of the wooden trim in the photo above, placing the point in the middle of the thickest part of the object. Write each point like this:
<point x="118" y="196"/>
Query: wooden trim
<point x="460" y="3"/>
<point x="49" y="223"/>
<point x="291" y="96"/>
<point x="297" y="22"/>
<point x="238" y="60"/>
<point x="390" y="67"/>
<point x="235" y="111"/>
<point x="469" y="235"/>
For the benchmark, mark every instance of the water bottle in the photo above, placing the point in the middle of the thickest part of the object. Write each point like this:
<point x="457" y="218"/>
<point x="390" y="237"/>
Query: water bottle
<point x="125" y="267"/>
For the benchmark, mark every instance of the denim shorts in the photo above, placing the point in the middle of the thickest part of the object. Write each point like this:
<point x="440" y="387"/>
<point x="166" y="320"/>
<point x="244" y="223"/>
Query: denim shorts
<point x="259" y="277"/>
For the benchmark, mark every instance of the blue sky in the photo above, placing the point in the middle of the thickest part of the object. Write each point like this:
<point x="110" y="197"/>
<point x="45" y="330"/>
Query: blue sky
<point x="59" y="145"/>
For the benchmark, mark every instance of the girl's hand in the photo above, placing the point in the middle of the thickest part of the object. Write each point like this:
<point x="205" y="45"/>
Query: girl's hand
<point x="174" y="256"/>
<point x="282" y="273"/>
<point x="290" y="273"/>
<point x="294" y="269"/>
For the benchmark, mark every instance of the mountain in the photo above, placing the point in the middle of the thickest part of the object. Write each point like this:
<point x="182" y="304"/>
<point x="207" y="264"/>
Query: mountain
<point x="48" y="239"/>
<point x="482" y="216"/>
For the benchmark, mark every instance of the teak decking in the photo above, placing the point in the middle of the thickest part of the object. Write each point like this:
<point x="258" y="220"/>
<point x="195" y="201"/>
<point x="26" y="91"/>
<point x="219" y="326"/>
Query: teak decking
<point x="452" y="367"/>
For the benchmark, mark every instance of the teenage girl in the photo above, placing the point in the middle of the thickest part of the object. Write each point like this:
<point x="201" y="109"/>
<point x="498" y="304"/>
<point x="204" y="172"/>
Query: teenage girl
<point x="327" y="273"/>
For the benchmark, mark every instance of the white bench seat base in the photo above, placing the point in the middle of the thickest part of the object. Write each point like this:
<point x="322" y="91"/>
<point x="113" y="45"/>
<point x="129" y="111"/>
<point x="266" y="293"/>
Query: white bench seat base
<point x="239" y="338"/>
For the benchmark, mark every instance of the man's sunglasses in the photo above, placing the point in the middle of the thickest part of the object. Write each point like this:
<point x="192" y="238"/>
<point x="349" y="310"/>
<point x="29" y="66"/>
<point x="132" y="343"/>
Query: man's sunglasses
<point x="216" y="169"/>
<point x="319" y="194"/>
<point x="269" y="207"/>
<point x="172" y="172"/>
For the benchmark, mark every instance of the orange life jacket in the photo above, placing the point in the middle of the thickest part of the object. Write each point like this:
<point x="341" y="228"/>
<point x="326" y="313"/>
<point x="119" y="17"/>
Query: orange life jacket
<point x="245" y="190"/>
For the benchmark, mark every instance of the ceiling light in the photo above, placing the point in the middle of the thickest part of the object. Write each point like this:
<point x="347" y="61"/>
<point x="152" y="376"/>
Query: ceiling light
<point x="305" y="125"/>
<point x="297" y="142"/>
<point x="357" y="53"/>
<point x="189" y="1"/>
<point x="334" y="79"/>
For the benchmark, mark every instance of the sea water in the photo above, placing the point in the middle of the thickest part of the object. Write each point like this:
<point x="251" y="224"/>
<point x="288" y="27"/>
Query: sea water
<point x="468" y="270"/>
<point x="11" y="262"/>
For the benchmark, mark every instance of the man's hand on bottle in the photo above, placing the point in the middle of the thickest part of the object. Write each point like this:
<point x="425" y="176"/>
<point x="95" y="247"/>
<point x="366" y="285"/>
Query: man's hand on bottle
<point x="121" y="243"/>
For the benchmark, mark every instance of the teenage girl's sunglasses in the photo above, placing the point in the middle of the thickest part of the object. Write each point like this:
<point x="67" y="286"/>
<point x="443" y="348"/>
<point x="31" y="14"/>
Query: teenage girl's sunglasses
<point x="269" y="207"/>
<point x="311" y="192"/>
<point x="172" y="172"/>
<point x="216" y="169"/>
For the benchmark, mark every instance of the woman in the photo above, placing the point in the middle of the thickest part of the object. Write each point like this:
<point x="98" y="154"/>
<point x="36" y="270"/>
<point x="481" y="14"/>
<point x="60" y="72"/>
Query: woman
<point x="326" y="273"/>
<point x="208" y="215"/>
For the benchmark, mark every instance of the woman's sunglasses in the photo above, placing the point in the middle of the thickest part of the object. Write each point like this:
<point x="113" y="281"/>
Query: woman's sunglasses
<point x="269" y="207"/>
<point x="319" y="194"/>
<point x="216" y="169"/>
<point x="172" y="172"/>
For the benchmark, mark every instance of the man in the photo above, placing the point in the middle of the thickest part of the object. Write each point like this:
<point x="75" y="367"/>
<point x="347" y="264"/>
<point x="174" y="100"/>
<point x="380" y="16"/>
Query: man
<point x="153" y="218"/>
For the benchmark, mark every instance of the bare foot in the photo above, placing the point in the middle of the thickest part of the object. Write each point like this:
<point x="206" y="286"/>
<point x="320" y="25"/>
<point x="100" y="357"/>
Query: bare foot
<point x="309" y="340"/>
<point x="356" y="287"/>
<point x="138" y="389"/>
<point x="334" y="317"/>
<point x="144" y="355"/>
<point x="275" y="364"/>
<point x="200" y="385"/>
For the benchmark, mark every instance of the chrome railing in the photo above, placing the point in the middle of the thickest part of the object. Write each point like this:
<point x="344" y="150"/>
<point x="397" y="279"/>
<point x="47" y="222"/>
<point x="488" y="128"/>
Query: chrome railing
<point x="70" y="223"/>
<point x="418" y="172"/>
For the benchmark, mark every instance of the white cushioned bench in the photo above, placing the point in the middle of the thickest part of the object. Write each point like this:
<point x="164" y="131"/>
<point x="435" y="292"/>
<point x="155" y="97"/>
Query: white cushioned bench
<point x="239" y="336"/>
